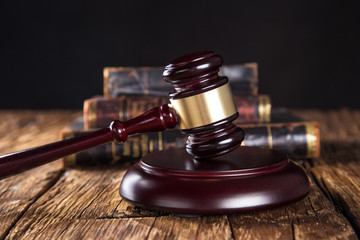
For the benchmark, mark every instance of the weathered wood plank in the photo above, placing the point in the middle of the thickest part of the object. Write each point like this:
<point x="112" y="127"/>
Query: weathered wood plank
<point x="83" y="193"/>
<point x="342" y="189"/>
<point x="125" y="228"/>
<point x="214" y="227"/>
<point x="129" y="228"/>
<point x="205" y="227"/>
<point x="337" y="171"/>
<point x="108" y="203"/>
<point x="172" y="227"/>
<point x="24" y="129"/>
<point x="314" y="217"/>
<point x="332" y="226"/>
<point x="20" y="130"/>
<point x="85" y="203"/>
<point x="19" y="192"/>
<point x="257" y="227"/>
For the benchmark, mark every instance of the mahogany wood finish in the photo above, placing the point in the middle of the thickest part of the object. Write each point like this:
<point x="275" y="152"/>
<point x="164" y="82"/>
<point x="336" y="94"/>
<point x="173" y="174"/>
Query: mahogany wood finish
<point x="157" y="119"/>
<point x="214" y="175"/>
<point x="193" y="74"/>
<point x="246" y="179"/>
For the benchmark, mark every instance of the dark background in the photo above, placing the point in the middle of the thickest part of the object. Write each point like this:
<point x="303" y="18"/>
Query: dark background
<point x="52" y="53"/>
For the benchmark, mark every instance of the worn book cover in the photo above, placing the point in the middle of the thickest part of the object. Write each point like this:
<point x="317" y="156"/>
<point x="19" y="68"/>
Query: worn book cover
<point x="120" y="81"/>
<point x="299" y="139"/>
<point x="100" y="111"/>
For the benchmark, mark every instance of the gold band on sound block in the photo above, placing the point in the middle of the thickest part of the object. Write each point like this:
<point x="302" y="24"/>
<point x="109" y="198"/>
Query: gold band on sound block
<point x="204" y="108"/>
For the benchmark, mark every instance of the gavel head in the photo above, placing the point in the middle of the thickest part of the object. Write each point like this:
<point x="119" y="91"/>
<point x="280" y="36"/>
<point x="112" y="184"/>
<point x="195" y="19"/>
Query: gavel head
<point x="204" y="104"/>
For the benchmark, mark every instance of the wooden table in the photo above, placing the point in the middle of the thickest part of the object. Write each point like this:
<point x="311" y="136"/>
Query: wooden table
<point x="83" y="203"/>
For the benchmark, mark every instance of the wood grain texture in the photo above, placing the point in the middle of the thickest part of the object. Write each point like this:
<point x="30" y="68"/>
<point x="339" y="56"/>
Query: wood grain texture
<point x="310" y="218"/>
<point x="20" y="130"/>
<point x="204" y="227"/>
<point x="337" y="171"/>
<point x="83" y="203"/>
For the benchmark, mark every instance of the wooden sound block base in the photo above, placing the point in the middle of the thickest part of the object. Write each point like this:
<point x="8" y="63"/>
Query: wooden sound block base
<point x="246" y="179"/>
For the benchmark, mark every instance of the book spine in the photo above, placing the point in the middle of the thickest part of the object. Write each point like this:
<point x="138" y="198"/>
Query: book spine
<point x="130" y="151"/>
<point x="243" y="77"/>
<point x="298" y="140"/>
<point x="253" y="109"/>
<point x="99" y="112"/>
<point x="149" y="81"/>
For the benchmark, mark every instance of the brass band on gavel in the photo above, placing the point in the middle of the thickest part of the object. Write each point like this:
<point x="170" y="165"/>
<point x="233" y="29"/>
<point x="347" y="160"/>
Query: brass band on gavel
<point x="204" y="108"/>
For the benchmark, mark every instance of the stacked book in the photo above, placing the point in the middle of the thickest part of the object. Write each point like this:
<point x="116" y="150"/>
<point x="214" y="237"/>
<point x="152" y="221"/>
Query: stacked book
<point x="128" y="92"/>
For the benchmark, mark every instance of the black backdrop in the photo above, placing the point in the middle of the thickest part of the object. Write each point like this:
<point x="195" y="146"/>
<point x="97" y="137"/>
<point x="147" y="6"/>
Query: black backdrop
<point x="52" y="53"/>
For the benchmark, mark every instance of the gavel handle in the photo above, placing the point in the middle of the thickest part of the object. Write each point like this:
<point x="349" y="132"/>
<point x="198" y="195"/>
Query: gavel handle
<point x="154" y="120"/>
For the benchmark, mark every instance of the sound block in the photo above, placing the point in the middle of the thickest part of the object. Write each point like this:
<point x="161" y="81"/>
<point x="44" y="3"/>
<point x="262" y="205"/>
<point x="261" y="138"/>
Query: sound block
<point x="245" y="179"/>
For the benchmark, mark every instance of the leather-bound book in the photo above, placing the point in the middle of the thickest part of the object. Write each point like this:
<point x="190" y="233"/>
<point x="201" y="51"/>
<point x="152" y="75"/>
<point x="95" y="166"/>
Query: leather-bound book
<point x="299" y="139"/>
<point x="149" y="80"/>
<point x="99" y="111"/>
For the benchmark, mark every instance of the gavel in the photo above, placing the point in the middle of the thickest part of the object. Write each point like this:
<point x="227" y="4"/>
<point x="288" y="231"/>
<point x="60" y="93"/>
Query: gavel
<point x="214" y="175"/>
<point x="201" y="105"/>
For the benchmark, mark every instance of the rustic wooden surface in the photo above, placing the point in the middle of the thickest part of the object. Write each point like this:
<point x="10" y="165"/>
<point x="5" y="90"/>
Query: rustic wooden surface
<point x="83" y="203"/>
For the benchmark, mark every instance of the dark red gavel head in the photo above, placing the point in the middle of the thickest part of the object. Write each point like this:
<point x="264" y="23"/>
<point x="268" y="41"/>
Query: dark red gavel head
<point x="204" y="104"/>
